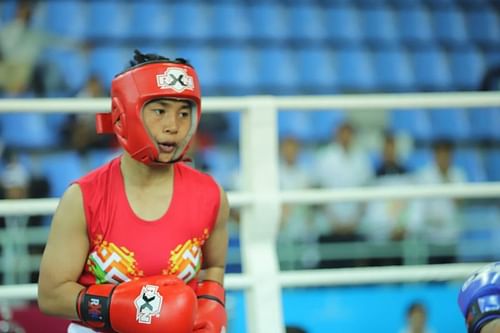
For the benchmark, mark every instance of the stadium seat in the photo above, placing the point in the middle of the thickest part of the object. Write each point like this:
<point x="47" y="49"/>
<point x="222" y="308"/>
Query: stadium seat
<point x="61" y="169"/>
<point x="418" y="159"/>
<point x="492" y="162"/>
<point x="150" y="21"/>
<point x="71" y="65"/>
<point x="229" y="22"/>
<point x="484" y="124"/>
<point x="470" y="160"/>
<point x="342" y="24"/>
<point x="223" y="164"/>
<point x="449" y="26"/>
<point x="316" y="71"/>
<point x="414" y="26"/>
<point x="305" y="23"/>
<point x="268" y="21"/>
<point x="27" y="131"/>
<point x="324" y="124"/>
<point x="466" y="68"/>
<point x="240" y="75"/>
<point x="106" y="62"/>
<point x="430" y="70"/>
<point x="483" y="26"/>
<point x="203" y="60"/>
<point x="392" y="70"/>
<point x="7" y="11"/>
<point x="107" y="21"/>
<point x="450" y="124"/>
<point x="275" y="71"/>
<point x="412" y="122"/>
<point x="64" y="18"/>
<point x="354" y="70"/>
<point x="190" y="22"/>
<point x="378" y="26"/>
<point x="296" y="123"/>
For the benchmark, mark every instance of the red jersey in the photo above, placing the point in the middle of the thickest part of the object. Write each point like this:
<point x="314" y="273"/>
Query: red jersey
<point x="123" y="246"/>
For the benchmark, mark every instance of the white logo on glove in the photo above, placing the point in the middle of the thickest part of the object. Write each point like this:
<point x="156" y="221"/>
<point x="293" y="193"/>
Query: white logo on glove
<point x="148" y="304"/>
<point x="176" y="79"/>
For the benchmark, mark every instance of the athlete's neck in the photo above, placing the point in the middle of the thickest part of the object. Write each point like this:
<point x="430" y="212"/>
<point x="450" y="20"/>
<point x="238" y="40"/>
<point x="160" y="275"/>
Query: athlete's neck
<point x="140" y="174"/>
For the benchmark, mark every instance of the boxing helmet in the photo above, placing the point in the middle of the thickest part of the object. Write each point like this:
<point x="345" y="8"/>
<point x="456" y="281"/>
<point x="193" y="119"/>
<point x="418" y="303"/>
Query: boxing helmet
<point x="150" y="77"/>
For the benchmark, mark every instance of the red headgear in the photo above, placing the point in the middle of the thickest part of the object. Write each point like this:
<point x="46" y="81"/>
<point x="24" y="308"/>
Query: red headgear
<point x="132" y="89"/>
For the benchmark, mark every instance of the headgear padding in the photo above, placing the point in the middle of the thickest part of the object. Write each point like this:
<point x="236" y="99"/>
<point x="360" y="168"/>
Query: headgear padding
<point x="142" y="83"/>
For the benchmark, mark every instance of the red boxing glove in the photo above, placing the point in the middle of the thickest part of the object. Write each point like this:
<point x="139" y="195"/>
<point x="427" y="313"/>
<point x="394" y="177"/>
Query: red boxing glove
<point x="156" y="304"/>
<point x="211" y="316"/>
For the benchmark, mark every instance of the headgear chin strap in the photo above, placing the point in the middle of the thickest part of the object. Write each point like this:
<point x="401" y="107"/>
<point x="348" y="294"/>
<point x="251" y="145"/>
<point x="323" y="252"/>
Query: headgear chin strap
<point x="130" y="90"/>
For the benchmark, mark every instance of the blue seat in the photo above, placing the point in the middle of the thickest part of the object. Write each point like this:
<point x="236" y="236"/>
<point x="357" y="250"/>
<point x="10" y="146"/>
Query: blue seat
<point x="354" y="70"/>
<point x="342" y="24"/>
<point x="268" y="21"/>
<point x="296" y="123"/>
<point x="7" y="11"/>
<point x="483" y="26"/>
<point x="149" y="21"/>
<point x="484" y="123"/>
<point x="203" y="60"/>
<point x="316" y="71"/>
<point x="392" y="70"/>
<point x="418" y="159"/>
<point x="378" y="26"/>
<point x="430" y="70"/>
<point x="61" y="169"/>
<point x="189" y="20"/>
<point x="324" y="123"/>
<point x="466" y="68"/>
<point x="65" y="18"/>
<point x="492" y="162"/>
<point x="412" y="122"/>
<point x="98" y="157"/>
<point x="239" y="61"/>
<point x="232" y="134"/>
<point x="450" y="124"/>
<point x="305" y="23"/>
<point x="27" y="131"/>
<point x="414" y="26"/>
<point x="72" y="67"/>
<point x="276" y="72"/>
<point x="223" y="164"/>
<point x="471" y="161"/>
<point x="449" y="26"/>
<point x="229" y="22"/>
<point x="107" y="20"/>
<point x="106" y="62"/>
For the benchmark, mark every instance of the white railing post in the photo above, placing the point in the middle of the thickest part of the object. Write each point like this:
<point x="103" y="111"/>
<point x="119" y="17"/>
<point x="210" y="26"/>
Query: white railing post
<point x="259" y="225"/>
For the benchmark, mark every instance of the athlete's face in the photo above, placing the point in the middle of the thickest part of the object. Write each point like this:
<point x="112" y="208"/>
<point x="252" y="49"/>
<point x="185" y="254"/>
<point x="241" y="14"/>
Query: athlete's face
<point x="168" y="122"/>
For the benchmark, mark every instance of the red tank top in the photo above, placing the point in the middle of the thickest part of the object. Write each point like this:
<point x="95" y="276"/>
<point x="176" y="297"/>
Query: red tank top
<point x="124" y="246"/>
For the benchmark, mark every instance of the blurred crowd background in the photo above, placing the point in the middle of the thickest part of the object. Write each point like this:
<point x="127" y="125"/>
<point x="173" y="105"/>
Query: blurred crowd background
<point x="73" y="48"/>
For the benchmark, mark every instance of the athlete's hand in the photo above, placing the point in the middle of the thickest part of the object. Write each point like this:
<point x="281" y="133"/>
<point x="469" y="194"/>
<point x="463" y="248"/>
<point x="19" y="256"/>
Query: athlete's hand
<point x="155" y="304"/>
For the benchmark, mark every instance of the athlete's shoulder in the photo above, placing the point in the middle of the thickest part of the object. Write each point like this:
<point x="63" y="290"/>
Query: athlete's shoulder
<point x="200" y="177"/>
<point x="99" y="174"/>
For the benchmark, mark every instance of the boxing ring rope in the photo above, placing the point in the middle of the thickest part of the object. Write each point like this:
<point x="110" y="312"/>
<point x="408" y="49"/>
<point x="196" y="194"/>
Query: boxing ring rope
<point x="260" y="200"/>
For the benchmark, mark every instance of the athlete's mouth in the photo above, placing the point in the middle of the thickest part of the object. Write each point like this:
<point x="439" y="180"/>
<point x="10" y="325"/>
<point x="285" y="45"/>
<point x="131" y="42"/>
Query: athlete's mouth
<point x="167" y="147"/>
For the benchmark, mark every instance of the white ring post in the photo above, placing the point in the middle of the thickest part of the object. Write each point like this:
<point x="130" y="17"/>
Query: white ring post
<point x="259" y="224"/>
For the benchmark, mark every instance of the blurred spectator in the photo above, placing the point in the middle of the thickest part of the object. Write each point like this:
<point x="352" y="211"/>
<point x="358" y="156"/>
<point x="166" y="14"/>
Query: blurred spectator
<point x="491" y="79"/>
<point x="343" y="165"/>
<point x="388" y="220"/>
<point x="440" y="216"/>
<point x="416" y="319"/>
<point x="79" y="132"/>
<point x="390" y="164"/>
<point x="297" y="223"/>
<point x="21" y="69"/>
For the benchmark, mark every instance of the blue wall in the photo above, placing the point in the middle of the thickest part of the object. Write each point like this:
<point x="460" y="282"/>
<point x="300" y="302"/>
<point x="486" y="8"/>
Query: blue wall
<point x="373" y="309"/>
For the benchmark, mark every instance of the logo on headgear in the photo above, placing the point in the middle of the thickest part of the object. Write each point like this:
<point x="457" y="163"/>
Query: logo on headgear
<point x="175" y="78"/>
<point x="148" y="304"/>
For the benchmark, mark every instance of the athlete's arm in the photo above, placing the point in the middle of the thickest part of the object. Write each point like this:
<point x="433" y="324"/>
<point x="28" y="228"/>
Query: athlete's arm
<point x="492" y="327"/>
<point x="215" y="248"/>
<point x="64" y="257"/>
